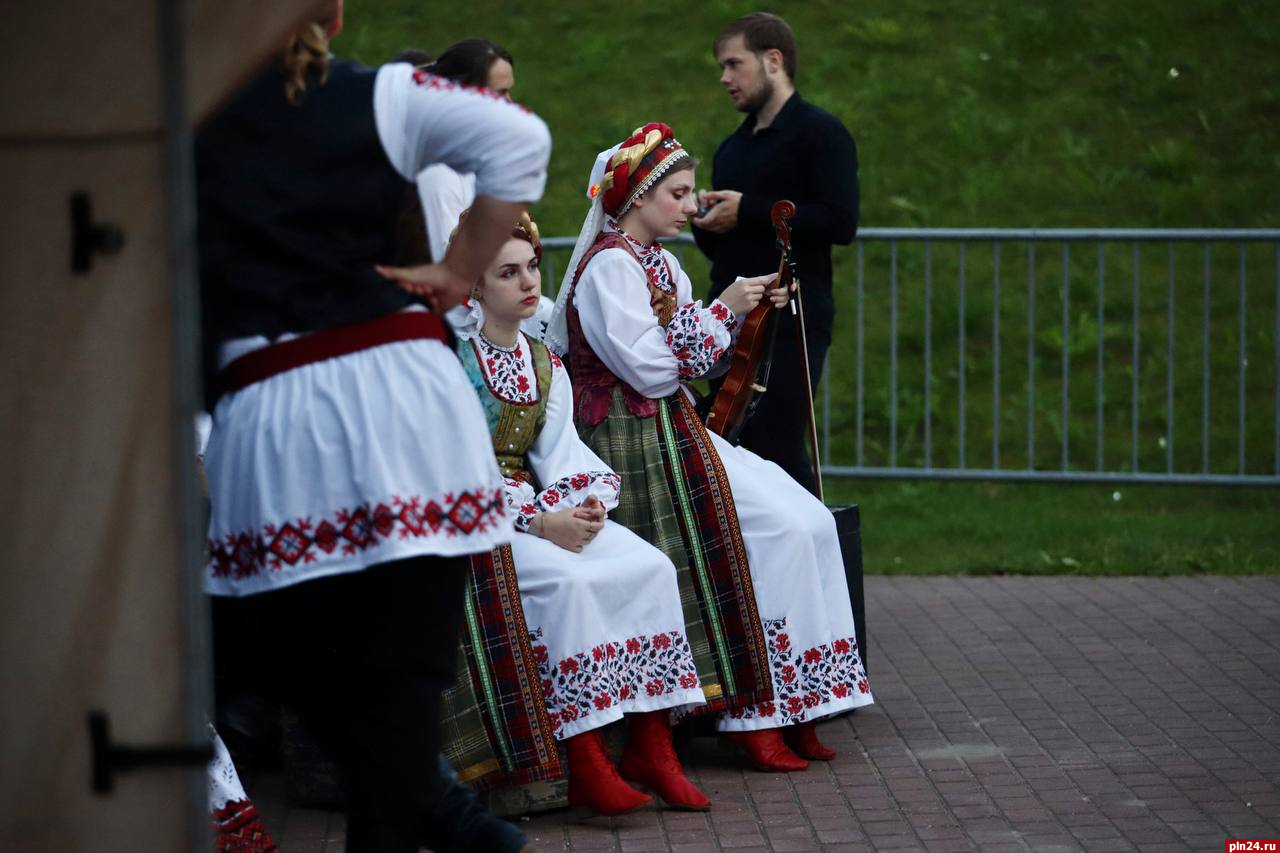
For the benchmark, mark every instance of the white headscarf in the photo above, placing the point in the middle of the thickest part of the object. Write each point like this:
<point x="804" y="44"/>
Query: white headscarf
<point x="557" y="335"/>
<point x="466" y="319"/>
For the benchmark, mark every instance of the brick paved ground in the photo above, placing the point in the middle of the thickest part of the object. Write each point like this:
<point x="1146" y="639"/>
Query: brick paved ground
<point x="1013" y="714"/>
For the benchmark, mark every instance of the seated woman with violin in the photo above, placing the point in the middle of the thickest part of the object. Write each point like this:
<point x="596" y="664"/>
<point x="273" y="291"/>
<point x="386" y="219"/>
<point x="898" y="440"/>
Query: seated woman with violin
<point x="767" y="609"/>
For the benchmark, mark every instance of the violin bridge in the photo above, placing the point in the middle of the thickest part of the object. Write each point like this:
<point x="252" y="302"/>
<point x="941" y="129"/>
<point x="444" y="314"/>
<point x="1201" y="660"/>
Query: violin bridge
<point x="758" y="388"/>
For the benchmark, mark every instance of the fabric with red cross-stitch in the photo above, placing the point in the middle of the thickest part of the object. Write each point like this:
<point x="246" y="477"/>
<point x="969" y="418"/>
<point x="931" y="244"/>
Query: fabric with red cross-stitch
<point x="605" y="617"/>
<point x="788" y="537"/>
<point x="518" y="386"/>
<point x="237" y="828"/>
<point x="688" y="341"/>
<point x="375" y="456"/>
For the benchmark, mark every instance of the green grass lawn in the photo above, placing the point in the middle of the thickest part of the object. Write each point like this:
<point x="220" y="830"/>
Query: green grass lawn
<point x="923" y="528"/>
<point x="1100" y="114"/>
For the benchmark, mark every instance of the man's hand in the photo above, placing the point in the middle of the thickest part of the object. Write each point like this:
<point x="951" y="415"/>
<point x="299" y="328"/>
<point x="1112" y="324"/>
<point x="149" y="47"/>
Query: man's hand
<point x="723" y="213"/>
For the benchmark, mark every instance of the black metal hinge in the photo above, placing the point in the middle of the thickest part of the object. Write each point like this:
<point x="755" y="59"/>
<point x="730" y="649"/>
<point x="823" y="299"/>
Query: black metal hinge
<point x="108" y="758"/>
<point x="88" y="237"/>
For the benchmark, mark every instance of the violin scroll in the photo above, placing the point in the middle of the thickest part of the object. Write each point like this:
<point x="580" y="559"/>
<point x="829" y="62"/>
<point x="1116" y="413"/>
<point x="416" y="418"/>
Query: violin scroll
<point x="781" y="215"/>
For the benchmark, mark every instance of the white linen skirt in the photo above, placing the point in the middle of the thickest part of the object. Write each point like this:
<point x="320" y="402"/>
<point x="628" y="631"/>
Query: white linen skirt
<point x="374" y="456"/>
<point x="802" y="595"/>
<point x="607" y="629"/>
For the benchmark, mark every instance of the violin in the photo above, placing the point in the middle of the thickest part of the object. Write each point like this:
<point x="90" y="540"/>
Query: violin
<point x="752" y="359"/>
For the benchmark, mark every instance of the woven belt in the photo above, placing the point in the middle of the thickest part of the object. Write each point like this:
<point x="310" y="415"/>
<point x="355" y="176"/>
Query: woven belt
<point x="330" y="343"/>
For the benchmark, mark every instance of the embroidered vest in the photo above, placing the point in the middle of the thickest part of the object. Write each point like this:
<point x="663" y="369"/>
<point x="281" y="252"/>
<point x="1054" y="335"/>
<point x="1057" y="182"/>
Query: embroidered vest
<point x="593" y="382"/>
<point x="513" y="426"/>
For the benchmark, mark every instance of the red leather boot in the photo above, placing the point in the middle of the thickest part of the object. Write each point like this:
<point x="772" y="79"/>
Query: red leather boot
<point x="649" y="759"/>
<point x="803" y="740"/>
<point x="594" y="781"/>
<point x="768" y="750"/>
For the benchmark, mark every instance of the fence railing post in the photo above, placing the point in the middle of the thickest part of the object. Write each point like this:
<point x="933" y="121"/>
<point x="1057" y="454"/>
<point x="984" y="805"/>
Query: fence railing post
<point x="913" y="313"/>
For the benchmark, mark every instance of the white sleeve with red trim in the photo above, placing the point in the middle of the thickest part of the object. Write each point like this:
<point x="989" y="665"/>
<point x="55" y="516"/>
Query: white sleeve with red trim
<point x="612" y="298"/>
<point x="520" y="502"/>
<point x="424" y="119"/>
<point x="570" y="471"/>
<point x="444" y="194"/>
<point x="699" y="337"/>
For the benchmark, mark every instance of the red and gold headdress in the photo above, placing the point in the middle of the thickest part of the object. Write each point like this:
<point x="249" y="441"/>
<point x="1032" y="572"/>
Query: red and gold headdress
<point x="642" y="159"/>
<point x="620" y="175"/>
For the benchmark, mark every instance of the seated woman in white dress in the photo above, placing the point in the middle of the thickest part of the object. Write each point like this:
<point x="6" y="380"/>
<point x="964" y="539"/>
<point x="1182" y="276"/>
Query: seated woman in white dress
<point x="602" y="605"/>
<point x="634" y="335"/>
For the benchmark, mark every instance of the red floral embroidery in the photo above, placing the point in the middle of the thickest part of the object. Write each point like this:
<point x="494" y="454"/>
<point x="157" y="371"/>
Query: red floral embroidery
<point x="597" y="679"/>
<point x="808" y="679"/>
<point x="352" y="530"/>
<point x="692" y="339"/>
<point x="509" y="374"/>
<point x="576" y="488"/>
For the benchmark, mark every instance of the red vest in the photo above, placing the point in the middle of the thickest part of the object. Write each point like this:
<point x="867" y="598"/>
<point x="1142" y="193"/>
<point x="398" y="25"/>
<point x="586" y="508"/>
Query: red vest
<point x="593" y="382"/>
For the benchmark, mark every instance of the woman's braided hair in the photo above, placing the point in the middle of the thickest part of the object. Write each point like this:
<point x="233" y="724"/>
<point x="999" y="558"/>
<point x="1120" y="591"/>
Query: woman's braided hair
<point x="306" y="55"/>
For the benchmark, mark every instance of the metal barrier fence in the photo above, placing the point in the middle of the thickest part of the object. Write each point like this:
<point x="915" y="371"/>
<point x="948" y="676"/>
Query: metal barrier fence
<point x="1164" y="355"/>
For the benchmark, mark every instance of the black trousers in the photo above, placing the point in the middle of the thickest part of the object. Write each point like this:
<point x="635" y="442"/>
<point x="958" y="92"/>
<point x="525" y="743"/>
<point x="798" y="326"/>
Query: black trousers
<point x="363" y="658"/>
<point x="779" y="427"/>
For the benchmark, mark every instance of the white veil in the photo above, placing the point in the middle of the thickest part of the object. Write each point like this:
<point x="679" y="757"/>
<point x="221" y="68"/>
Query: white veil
<point x="557" y="334"/>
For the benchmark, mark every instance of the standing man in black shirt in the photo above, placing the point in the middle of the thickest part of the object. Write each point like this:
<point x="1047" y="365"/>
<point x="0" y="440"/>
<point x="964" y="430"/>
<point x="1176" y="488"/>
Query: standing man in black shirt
<point x="785" y="148"/>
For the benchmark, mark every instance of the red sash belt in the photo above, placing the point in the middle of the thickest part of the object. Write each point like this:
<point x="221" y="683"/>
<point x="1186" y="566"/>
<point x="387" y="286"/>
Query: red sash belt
<point x="330" y="343"/>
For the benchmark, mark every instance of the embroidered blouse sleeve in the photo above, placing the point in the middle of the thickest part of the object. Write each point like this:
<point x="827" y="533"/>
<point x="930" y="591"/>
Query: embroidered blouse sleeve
<point x="521" y="502"/>
<point x="612" y="299"/>
<point x="700" y="337"/>
<point x="423" y="119"/>
<point x="561" y="461"/>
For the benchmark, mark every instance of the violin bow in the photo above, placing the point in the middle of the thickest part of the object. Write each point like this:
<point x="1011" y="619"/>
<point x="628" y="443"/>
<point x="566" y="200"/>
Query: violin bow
<point x="797" y="310"/>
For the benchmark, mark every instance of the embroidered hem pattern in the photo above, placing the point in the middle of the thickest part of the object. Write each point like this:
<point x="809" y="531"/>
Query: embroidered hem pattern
<point x="829" y="672"/>
<point x="593" y="681"/>
<point x="238" y="829"/>
<point x="353" y="530"/>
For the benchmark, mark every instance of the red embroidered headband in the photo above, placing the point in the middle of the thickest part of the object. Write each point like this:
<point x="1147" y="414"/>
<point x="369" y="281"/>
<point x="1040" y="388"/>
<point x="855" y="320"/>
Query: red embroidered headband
<point x="645" y="156"/>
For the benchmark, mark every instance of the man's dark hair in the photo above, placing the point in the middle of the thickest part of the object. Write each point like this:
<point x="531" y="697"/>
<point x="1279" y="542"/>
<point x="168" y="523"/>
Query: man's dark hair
<point x="412" y="55"/>
<point x="468" y="61"/>
<point x="762" y="31"/>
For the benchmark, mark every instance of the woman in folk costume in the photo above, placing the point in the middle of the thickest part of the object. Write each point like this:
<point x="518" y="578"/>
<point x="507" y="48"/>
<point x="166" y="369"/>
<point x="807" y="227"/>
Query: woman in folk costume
<point x="348" y="472"/>
<point x="635" y="335"/>
<point x="601" y="605"/>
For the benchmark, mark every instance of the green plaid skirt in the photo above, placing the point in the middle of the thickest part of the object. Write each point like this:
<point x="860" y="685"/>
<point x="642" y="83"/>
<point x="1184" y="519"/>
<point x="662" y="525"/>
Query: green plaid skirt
<point x="632" y="447"/>
<point x="494" y="725"/>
